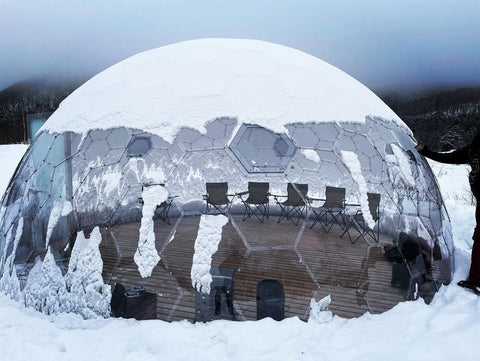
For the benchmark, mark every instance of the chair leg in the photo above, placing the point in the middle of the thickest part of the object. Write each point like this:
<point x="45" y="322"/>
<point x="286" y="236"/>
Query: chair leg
<point x="219" y="208"/>
<point x="283" y="213"/>
<point x="260" y="211"/>
<point x="317" y="218"/>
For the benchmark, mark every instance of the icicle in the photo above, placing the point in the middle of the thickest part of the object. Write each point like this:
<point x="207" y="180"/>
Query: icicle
<point x="404" y="164"/>
<point x="353" y="164"/>
<point x="146" y="256"/>
<point x="59" y="209"/>
<point x="206" y="244"/>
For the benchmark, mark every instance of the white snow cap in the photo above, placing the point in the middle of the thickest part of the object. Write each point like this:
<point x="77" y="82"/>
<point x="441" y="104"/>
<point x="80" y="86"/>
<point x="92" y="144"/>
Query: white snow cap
<point x="193" y="82"/>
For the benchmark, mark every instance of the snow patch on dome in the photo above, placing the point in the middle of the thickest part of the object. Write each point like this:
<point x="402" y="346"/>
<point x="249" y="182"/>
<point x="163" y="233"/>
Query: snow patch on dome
<point x="312" y="155"/>
<point x="146" y="257"/>
<point x="59" y="209"/>
<point x="353" y="164"/>
<point x="404" y="164"/>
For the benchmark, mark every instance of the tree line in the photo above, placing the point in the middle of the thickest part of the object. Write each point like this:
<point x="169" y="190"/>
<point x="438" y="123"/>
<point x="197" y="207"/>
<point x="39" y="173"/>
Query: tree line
<point x="442" y="119"/>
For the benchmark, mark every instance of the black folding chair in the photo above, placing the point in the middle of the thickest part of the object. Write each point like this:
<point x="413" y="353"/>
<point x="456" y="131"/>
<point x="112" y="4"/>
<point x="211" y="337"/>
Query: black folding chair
<point x="295" y="206"/>
<point x="357" y="221"/>
<point x="256" y="203"/>
<point x="163" y="209"/>
<point x="217" y="199"/>
<point x="332" y="209"/>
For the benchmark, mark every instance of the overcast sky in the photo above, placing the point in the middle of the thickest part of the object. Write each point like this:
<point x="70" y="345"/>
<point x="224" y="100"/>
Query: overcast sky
<point x="384" y="44"/>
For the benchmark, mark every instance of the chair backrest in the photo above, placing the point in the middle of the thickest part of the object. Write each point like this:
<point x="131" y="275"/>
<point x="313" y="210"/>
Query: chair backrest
<point x="334" y="197"/>
<point x="258" y="192"/>
<point x="294" y="197"/>
<point x="217" y="193"/>
<point x="374" y="204"/>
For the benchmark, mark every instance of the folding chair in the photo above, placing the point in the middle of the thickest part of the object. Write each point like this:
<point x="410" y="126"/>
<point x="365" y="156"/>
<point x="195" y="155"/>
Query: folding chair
<point x="162" y="210"/>
<point x="332" y="209"/>
<point x="256" y="203"/>
<point x="357" y="221"/>
<point x="217" y="198"/>
<point x="294" y="206"/>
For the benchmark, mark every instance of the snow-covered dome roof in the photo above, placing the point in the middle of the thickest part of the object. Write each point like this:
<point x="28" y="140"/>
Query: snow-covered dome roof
<point x="192" y="82"/>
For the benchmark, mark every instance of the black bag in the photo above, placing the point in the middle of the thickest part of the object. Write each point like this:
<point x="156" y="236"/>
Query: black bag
<point x="270" y="300"/>
<point x="117" y="303"/>
<point x="135" y="303"/>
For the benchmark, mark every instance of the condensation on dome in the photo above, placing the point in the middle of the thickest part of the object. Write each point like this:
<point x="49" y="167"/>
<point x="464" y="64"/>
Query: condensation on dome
<point x="101" y="197"/>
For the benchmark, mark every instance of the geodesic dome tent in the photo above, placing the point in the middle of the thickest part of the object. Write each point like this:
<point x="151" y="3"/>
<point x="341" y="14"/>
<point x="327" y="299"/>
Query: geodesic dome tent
<point x="84" y="208"/>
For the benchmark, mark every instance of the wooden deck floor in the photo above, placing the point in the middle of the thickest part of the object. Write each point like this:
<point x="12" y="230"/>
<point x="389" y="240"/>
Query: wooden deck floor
<point x="309" y="262"/>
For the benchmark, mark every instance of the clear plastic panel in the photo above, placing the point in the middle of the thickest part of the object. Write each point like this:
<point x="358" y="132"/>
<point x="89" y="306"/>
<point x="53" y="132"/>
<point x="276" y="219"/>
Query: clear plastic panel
<point x="306" y="260"/>
<point x="118" y="138"/>
<point x="303" y="134"/>
<point x="96" y="151"/>
<point x="139" y="146"/>
<point x="261" y="150"/>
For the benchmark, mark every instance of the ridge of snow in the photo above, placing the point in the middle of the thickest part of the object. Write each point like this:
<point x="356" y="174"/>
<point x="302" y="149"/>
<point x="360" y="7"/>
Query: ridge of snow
<point x="9" y="283"/>
<point x="190" y="83"/>
<point x="404" y="164"/>
<point x="45" y="288"/>
<point x="206" y="244"/>
<point x="146" y="256"/>
<point x="59" y="209"/>
<point x="87" y="294"/>
<point x="353" y="164"/>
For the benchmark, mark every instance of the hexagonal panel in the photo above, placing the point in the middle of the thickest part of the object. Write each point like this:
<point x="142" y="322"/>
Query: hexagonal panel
<point x="327" y="134"/>
<point x="96" y="151"/>
<point x="118" y="137"/>
<point x="261" y="150"/>
<point x="139" y="146"/>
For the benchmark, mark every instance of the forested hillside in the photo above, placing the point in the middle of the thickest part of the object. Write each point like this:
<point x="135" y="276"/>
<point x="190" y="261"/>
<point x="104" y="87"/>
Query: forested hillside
<point x="440" y="119"/>
<point x="443" y="120"/>
<point x="34" y="96"/>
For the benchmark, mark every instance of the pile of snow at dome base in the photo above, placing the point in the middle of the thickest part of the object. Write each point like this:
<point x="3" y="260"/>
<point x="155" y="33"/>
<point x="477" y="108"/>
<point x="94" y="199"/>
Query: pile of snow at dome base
<point x="147" y="135"/>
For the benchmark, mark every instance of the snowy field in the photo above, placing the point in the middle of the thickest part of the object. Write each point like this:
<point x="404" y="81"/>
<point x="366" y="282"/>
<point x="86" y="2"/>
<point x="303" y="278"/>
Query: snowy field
<point x="447" y="329"/>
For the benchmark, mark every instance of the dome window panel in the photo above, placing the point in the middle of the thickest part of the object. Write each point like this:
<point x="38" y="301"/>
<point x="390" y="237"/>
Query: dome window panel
<point x="262" y="151"/>
<point x="119" y="137"/>
<point x="139" y="146"/>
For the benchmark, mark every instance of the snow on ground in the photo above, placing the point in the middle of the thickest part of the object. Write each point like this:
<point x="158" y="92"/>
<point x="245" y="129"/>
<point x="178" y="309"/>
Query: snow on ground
<point x="10" y="156"/>
<point x="446" y="329"/>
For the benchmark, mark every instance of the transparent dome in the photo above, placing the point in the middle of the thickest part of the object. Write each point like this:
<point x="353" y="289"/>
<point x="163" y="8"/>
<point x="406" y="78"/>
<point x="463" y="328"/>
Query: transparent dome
<point x="101" y="203"/>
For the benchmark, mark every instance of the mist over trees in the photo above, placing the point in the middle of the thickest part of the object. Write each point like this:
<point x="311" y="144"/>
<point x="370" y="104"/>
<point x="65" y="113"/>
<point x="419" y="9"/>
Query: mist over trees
<point x="441" y="119"/>
<point x="29" y="97"/>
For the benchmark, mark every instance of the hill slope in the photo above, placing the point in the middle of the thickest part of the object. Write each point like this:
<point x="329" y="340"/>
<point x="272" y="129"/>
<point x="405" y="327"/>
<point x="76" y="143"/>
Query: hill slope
<point x="443" y="120"/>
